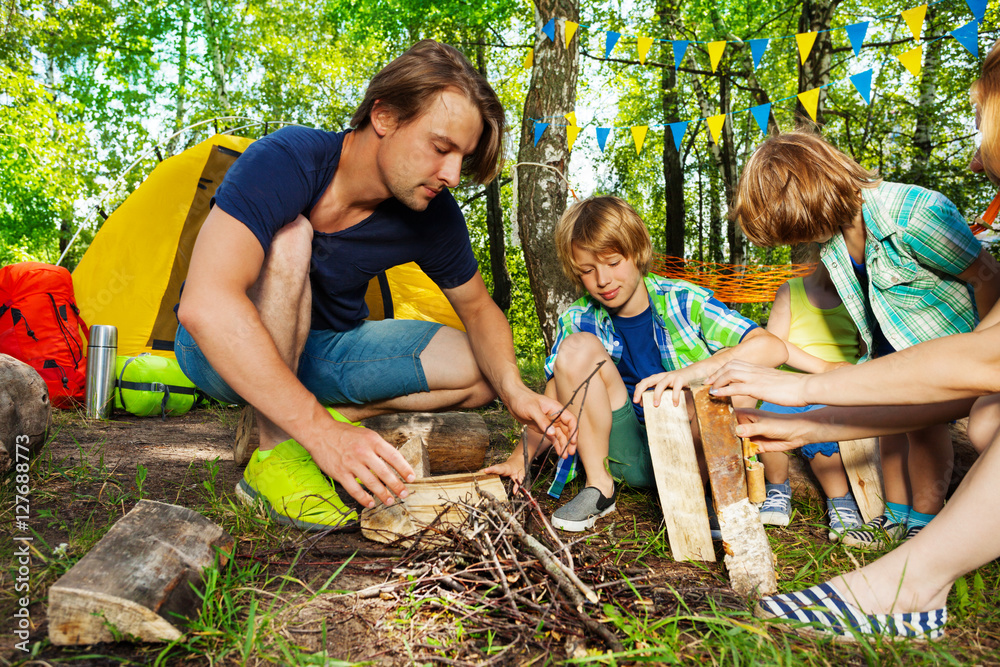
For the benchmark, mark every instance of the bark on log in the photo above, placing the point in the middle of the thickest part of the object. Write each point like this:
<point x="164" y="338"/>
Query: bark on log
<point x="456" y="441"/>
<point x="24" y="411"/>
<point x="748" y="553"/>
<point x="138" y="579"/>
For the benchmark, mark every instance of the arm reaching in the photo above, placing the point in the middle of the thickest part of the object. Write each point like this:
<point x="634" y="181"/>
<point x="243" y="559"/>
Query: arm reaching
<point x="493" y="346"/>
<point x="758" y="346"/>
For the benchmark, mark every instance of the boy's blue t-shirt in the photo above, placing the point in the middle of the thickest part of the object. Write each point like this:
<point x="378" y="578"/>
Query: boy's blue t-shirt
<point x="285" y="174"/>
<point x="880" y="344"/>
<point x="640" y="355"/>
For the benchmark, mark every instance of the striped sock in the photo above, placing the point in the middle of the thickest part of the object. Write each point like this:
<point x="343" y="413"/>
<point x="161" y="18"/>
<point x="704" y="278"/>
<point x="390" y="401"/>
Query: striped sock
<point x="897" y="512"/>
<point x="919" y="520"/>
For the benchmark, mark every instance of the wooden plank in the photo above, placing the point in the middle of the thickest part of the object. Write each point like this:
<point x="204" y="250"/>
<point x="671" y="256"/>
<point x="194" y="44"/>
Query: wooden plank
<point x="678" y="481"/>
<point x="430" y="500"/>
<point x="864" y="471"/>
<point x="748" y="554"/>
<point x="138" y="578"/>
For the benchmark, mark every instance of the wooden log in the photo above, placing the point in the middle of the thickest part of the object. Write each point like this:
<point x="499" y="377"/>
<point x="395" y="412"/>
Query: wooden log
<point x="456" y="441"/>
<point x="678" y="481"/>
<point x="138" y="578"/>
<point x="863" y="466"/>
<point x="748" y="554"/>
<point x="25" y="411"/>
<point x="430" y="500"/>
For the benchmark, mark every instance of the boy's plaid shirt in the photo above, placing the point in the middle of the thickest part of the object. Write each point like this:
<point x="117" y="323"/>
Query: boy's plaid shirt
<point x="689" y="325"/>
<point x="917" y="243"/>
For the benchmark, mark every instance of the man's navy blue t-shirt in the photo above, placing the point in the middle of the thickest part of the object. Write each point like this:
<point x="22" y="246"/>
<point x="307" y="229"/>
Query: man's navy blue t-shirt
<point x="285" y="174"/>
<point x="640" y="355"/>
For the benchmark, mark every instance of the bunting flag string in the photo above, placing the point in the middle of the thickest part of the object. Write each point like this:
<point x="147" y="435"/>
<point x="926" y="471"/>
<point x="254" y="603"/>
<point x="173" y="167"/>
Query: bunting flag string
<point x="856" y="34"/>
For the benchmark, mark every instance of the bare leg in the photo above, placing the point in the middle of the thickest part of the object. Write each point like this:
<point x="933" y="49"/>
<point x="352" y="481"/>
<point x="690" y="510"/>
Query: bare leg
<point x="930" y="462"/>
<point x="452" y="375"/>
<point x="983" y="421"/>
<point x="775" y="467"/>
<point x="829" y="470"/>
<point x="284" y="300"/>
<point x="893" y="450"/>
<point x="578" y="355"/>
<point x="918" y="575"/>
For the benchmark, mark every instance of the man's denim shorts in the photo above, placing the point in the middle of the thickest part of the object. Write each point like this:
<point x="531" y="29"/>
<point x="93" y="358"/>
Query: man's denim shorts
<point x="372" y="362"/>
<point x="811" y="450"/>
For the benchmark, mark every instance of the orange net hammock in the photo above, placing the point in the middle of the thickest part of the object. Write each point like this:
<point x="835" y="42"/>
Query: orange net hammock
<point x="748" y="283"/>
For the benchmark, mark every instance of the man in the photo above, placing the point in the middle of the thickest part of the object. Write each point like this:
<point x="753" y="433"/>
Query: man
<point x="273" y="309"/>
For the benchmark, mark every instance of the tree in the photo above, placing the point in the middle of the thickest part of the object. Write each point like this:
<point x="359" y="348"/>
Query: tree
<point x="542" y="190"/>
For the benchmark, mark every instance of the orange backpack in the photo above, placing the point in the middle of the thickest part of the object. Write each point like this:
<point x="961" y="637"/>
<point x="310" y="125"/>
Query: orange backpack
<point x="40" y="325"/>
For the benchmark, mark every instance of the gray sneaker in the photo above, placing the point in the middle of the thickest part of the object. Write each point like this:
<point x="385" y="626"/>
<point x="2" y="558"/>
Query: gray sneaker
<point x="582" y="512"/>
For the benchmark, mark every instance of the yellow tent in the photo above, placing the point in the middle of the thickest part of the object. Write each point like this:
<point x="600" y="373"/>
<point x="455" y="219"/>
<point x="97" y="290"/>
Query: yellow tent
<point x="132" y="272"/>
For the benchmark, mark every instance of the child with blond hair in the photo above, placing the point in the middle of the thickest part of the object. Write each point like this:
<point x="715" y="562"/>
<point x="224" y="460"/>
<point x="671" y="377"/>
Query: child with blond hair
<point x="907" y="269"/>
<point x="649" y="332"/>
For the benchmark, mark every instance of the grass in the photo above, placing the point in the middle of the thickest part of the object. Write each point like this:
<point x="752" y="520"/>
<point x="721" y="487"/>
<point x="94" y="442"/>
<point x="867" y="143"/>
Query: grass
<point x="250" y="605"/>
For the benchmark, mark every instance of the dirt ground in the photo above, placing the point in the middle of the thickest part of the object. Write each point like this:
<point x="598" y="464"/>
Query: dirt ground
<point x="188" y="460"/>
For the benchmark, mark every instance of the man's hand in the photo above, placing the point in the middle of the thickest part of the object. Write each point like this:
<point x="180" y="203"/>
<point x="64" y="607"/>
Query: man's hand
<point x="773" y="432"/>
<point x="674" y="380"/>
<point x="546" y="416"/>
<point x="738" y="378"/>
<point x="350" y="454"/>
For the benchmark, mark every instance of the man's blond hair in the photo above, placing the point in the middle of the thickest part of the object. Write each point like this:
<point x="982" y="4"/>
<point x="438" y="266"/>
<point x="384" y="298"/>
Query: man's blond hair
<point x="602" y="225"/>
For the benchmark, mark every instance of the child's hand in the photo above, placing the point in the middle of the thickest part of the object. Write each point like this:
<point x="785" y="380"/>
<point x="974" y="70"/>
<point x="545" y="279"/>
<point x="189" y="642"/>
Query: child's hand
<point x="676" y="380"/>
<point x="512" y="467"/>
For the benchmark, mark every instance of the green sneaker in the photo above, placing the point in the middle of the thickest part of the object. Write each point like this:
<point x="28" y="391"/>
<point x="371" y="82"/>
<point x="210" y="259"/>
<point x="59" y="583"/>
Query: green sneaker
<point x="293" y="489"/>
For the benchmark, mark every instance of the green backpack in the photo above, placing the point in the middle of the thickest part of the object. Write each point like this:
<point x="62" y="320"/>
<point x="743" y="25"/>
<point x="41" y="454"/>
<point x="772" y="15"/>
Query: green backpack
<point x="150" y="385"/>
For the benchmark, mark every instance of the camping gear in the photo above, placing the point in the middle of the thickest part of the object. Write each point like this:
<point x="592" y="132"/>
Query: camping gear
<point x="101" y="354"/>
<point x="149" y="385"/>
<point x="40" y="325"/>
<point x="132" y="272"/>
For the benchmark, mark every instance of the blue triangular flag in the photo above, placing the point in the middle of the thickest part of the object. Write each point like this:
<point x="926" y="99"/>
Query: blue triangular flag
<point x="539" y="130"/>
<point x="610" y="42"/>
<point x="863" y="82"/>
<point x="761" y="114"/>
<point x="856" y="33"/>
<point x="978" y="8"/>
<point x="550" y="30"/>
<point x="602" y="136"/>
<point x="968" y="36"/>
<point x="680" y="46"/>
<point x="757" y="48"/>
<point x="678" y="130"/>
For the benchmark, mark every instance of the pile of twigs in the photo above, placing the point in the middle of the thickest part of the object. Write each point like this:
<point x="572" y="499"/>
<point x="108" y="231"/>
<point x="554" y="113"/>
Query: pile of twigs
<point x="504" y="572"/>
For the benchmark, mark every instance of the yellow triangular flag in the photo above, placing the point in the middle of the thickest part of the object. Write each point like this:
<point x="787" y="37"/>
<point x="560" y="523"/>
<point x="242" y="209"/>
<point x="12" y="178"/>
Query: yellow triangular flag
<point x="529" y="59"/>
<point x="911" y="59"/>
<point x="715" y="124"/>
<point x="571" y="117"/>
<point x="805" y="41"/>
<point x="639" y="136"/>
<point x="810" y="100"/>
<point x="570" y="31"/>
<point x="571" y="132"/>
<point x="915" y="19"/>
<point x="715" y="50"/>
<point x="644" y="44"/>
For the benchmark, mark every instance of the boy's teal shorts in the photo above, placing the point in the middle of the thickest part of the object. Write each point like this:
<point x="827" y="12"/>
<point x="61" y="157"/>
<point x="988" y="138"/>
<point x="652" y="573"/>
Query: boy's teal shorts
<point x="628" y="449"/>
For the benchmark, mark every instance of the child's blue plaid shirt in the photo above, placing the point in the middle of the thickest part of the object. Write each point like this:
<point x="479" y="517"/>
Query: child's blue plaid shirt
<point x="689" y="325"/>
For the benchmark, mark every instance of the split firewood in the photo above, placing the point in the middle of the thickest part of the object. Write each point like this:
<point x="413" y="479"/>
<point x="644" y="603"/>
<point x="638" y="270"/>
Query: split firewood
<point x="140" y="580"/>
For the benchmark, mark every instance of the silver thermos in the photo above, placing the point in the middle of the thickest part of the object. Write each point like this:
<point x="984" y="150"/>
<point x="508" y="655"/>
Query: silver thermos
<point x="101" y="355"/>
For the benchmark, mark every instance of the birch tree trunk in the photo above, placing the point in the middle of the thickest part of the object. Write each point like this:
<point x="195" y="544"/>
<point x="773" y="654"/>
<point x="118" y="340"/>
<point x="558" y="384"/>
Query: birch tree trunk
<point x="182" y="65"/>
<point x="922" y="142"/>
<point x="542" y="193"/>
<point x="214" y="44"/>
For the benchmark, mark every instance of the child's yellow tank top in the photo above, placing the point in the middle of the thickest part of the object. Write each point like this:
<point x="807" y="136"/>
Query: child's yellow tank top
<point x="827" y="333"/>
